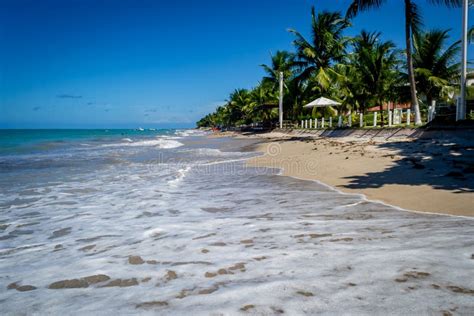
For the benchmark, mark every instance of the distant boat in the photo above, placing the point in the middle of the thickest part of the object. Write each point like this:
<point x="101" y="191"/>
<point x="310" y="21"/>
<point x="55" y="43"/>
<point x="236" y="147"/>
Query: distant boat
<point x="140" y="129"/>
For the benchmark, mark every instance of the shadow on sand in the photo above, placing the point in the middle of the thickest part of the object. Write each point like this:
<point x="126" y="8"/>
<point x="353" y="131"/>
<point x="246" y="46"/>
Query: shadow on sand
<point x="446" y="164"/>
<point x="442" y="158"/>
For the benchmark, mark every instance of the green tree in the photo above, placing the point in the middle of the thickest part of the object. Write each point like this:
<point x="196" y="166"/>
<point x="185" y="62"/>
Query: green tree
<point x="282" y="61"/>
<point x="375" y="65"/>
<point x="238" y="100"/>
<point x="326" y="46"/>
<point x="412" y="24"/>
<point x="436" y="71"/>
<point x="262" y="105"/>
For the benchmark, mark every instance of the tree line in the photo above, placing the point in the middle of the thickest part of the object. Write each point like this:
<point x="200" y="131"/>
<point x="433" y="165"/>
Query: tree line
<point x="359" y="72"/>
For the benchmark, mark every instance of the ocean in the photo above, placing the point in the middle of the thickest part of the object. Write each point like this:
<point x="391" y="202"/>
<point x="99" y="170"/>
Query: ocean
<point x="174" y="222"/>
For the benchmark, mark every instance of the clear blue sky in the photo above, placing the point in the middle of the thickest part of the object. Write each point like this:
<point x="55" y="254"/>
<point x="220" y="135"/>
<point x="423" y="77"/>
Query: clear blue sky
<point x="160" y="63"/>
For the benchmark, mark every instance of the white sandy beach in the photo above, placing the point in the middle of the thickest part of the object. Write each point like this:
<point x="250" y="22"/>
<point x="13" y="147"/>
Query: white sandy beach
<point x="428" y="175"/>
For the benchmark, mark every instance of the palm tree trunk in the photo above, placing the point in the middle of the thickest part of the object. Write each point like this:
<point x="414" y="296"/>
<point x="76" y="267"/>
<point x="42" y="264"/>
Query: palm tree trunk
<point x="411" y="77"/>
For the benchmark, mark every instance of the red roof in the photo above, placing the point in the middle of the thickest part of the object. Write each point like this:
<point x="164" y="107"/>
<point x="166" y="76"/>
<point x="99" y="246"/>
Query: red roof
<point x="402" y="106"/>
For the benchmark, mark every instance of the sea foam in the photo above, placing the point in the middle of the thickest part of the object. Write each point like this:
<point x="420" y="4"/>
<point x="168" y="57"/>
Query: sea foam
<point x="160" y="142"/>
<point x="228" y="239"/>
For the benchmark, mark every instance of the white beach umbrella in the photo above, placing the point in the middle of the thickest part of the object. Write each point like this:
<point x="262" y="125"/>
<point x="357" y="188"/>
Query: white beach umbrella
<point x="321" y="102"/>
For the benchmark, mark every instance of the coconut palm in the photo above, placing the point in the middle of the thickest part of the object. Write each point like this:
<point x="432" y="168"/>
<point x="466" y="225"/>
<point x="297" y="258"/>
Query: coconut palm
<point x="261" y="106"/>
<point x="282" y="61"/>
<point x="326" y="46"/>
<point x="435" y="66"/>
<point x="237" y="102"/>
<point x="375" y="63"/>
<point x="348" y="88"/>
<point x="293" y="85"/>
<point x="412" y="24"/>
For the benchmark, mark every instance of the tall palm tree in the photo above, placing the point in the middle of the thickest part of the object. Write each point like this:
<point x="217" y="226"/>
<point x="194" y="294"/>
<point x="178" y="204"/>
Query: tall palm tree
<point x="285" y="62"/>
<point x="326" y="46"/>
<point x="435" y="66"/>
<point x="282" y="61"/>
<point x="375" y="63"/>
<point x="412" y="24"/>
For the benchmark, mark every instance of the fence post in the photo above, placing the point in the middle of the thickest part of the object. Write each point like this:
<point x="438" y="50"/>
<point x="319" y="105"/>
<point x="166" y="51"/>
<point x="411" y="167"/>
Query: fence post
<point x="310" y="123"/>
<point x="322" y="122"/>
<point x="361" y="120"/>
<point x="330" y="122"/>
<point x="389" y="118"/>
<point x="375" y="119"/>
<point x="408" y="116"/>
<point x="339" y="121"/>
<point x="349" y="118"/>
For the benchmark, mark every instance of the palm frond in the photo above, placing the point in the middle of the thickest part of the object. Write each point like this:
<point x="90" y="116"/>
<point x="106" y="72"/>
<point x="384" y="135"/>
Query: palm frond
<point x="416" y="21"/>
<point x="362" y="5"/>
<point x="447" y="3"/>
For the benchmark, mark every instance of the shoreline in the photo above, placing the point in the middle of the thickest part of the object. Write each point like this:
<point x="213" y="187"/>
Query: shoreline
<point x="420" y="174"/>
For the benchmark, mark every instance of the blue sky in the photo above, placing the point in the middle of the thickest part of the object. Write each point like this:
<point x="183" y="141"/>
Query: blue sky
<point x="120" y="63"/>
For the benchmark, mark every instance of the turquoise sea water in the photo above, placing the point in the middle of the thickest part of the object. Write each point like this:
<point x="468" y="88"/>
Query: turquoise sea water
<point x="34" y="140"/>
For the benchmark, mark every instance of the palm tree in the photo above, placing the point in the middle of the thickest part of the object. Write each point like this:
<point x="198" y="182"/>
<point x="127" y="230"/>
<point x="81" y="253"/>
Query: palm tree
<point x="327" y="46"/>
<point x="435" y="67"/>
<point x="261" y="100"/>
<point x="282" y="61"/>
<point x="412" y="24"/>
<point x="375" y="63"/>
<point x="237" y="101"/>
